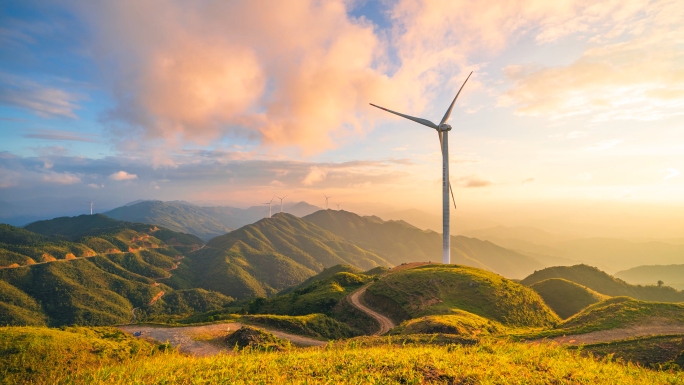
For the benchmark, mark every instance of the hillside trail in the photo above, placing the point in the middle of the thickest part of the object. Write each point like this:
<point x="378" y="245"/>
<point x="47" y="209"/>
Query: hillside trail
<point x="645" y="330"/>
<point x="196" y="340"/>
<point x="385" y="323"/>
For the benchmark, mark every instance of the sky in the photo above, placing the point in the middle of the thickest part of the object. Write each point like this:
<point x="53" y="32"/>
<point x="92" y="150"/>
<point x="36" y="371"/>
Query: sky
<point x="572" y="120"/>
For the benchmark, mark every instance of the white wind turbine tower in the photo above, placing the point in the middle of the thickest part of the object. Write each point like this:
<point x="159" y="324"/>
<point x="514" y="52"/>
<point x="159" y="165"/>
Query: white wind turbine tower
<point x="443" y="132"/>
<point x="338" y="206"/>
<point x="326" y="201"/>
<point x="281" y="202"/>
<point x="91" y="204"/>
<point x="269" y="205"/>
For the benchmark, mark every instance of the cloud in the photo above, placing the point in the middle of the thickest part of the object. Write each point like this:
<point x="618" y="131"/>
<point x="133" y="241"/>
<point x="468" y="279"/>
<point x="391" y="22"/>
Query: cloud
<point x="316" y="174"/>
<point x="122" y="175"/>
<point x="95" y="185"/>
<point x="671" y="173"/>
<point x="61" y="135"/>
<point x="631" y="70"/>
<point x="570" y="135"/>
<point x="60" y="178"/>
<point x="604" y="144"/>
<point x="529" y="180"/>
<point x="282" y="74"/>
<point x="474" y="181"/>
<point x="41" y="100"/>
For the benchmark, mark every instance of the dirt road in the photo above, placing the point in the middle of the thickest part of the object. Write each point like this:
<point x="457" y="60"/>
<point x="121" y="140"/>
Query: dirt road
<point x="196" y="340"/>
<point x="651" y="329"/>
<point x="385" y="323"/>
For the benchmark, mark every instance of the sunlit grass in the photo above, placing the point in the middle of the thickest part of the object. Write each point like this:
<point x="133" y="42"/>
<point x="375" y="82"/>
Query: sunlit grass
<point x="486" y="363"/>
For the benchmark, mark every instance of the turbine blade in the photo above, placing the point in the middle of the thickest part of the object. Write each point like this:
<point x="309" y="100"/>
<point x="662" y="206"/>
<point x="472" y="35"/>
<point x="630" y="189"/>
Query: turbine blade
<point x="448" y="113"/>
<point x="422" y="121"/>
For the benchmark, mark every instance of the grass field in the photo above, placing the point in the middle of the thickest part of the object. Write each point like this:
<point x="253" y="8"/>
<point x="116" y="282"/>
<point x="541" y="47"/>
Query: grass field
<point x="484" y="363"/>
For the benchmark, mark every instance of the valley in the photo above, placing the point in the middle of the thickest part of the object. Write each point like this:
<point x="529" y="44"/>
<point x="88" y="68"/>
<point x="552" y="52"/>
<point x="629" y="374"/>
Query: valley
<point x="287" y="283"/>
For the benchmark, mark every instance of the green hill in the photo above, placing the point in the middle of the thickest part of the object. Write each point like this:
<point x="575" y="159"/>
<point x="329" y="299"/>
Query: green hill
<point x="320" y="296"/>
<point x="83" y="226"/>
<point x="460" y="322"/>
<point x="328" y="272"/>
<point x="399" y="242"/>
<point x="671" y="275"/>
<point x="92" y="270"/>
<point x="606" y="284"/>
<point x="272" y="254"/>
<point x="566" y="298"/>
<point x="620" y="312"/>
<point x="441" y="289"/>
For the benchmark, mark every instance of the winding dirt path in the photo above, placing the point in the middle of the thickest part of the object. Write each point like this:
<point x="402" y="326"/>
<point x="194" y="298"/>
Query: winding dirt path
<point x="646" y="330"/>
<point x="385" y="323"/>
<point x="196" y="339"/>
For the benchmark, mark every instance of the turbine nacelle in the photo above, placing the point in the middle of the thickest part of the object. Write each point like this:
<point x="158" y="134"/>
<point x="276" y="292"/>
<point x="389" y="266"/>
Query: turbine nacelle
<point x="444" y="127"/>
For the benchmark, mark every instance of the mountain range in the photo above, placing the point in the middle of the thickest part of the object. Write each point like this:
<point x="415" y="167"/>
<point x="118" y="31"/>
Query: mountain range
<point x="610" y="254"/>
<point x="205" y="222"/>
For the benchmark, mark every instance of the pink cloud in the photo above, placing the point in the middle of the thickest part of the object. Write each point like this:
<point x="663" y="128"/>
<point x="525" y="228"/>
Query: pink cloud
<point x="122" y="175"/>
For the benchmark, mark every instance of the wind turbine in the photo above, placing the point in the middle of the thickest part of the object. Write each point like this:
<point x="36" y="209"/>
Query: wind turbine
<point x="338" y="206"/>
<point x="326" y="201"/>
<point x="269" y="205"/>
<point x="281" y="202"/>
<point x="443" y="132"/>
<point x="91" y="204"/>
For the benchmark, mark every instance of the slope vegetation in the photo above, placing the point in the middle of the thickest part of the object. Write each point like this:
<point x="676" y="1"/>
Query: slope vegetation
<point x="441" y="289"/>
<point x="346" y="364"/>
<point x="273" y="254"/>
<point x="566" y="298"/>
<point x="93" y="271"/>
<point x="606" y="284"/>
<point x="399" y="242"/>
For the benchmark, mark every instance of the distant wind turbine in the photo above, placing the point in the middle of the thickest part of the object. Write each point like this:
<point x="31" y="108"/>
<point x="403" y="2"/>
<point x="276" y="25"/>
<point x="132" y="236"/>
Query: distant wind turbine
<point x="269" y="205"/>
<point x="91" y="204"/>
<point x="326" y="201"/>
<point x="443" y="132"/>
<point x="338" y="206"/>
<point x="281" y="202"/>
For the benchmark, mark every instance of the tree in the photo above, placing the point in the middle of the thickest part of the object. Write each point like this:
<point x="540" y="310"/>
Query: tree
<point x="660" y="283"/>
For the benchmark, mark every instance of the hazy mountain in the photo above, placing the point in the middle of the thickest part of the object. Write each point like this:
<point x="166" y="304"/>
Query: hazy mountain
<point x="399" y="242"/>
<point x="610" y="254"/>
<point x="205" y="222"/>
<point x="671" y="275"/>
<point x="176" y="216"/>
<point x="604" y="283"/>
<point x="274" y="253"/>
<point x="92" y="270"/>
<point x="521" y="233"/>
<point x="425" y="221"/>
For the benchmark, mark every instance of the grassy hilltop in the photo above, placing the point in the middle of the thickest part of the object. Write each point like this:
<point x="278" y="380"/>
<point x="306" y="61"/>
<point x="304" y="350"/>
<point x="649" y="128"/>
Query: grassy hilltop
<point x="439" y="289"/>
